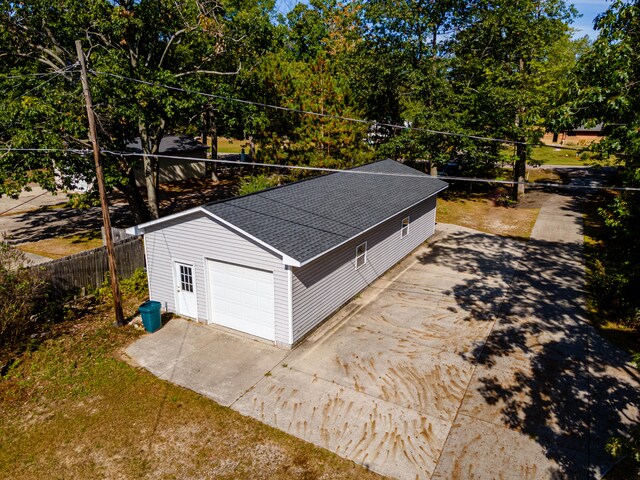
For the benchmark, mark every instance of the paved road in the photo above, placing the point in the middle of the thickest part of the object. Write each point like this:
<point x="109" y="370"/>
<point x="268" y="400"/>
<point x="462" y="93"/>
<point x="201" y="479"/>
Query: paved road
<point x="32" y="200"/>
<point x="28" y="219"/>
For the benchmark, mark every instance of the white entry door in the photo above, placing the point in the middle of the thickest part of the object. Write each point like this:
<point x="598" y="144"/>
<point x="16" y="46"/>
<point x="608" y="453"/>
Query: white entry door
<point x="185" y="284"/>
<point x="242" y="298"/>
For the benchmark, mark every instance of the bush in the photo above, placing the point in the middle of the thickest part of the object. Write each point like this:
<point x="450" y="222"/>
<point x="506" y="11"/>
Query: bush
<point x="627" y="446"/>
<point x="134" y="286"/>
<point x="23" y="295"/>
<point x="501" y="197"/>
<point x="251" y="184"/>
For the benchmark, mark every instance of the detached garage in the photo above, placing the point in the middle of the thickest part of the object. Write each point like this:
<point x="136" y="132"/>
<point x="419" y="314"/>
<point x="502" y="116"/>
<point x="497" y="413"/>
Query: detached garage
<point x="276" y="263"/>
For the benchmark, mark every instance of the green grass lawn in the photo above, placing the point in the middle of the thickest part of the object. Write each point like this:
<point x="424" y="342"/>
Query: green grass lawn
<point x="553" y="156"/>
<point x="550" y="156"/>
<point x="230" y="145"/>
<point x="71" y="408"/>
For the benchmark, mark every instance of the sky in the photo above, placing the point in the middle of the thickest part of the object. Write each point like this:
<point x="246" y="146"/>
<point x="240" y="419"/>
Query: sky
<point x="583" y="25"/>
<point x="589" y="10"/>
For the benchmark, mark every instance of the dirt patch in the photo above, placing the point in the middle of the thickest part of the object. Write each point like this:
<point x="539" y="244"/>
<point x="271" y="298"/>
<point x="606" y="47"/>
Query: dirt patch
<point x="481" y="213"/>
<point x="179" y="196"/>
<point x="548" y="175"/>
<point x="63" y="246"/>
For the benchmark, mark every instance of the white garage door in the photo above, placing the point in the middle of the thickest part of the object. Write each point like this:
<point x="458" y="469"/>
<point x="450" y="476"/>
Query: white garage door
<point x="242" y="298"/>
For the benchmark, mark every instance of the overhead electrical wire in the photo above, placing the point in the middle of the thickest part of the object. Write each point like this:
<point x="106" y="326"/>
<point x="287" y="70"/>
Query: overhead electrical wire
<point x="331" y="116"/>
<point x="54" y="75"/>
<point x="318" y="169"/>
<point x="26" y="75"/>
<point x="45" y="150"/>
<point x="364" y="172"/>
<point x="290" y="109"/>
<point x="308" y="112"/>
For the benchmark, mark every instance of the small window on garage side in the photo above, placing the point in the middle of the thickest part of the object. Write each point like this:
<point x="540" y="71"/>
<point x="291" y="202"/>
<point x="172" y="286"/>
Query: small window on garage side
<point x="361" y="255"/>
<point x="405" y="227"/>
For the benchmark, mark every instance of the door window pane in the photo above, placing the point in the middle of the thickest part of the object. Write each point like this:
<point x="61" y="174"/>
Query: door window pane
<point x="186" y="278"/>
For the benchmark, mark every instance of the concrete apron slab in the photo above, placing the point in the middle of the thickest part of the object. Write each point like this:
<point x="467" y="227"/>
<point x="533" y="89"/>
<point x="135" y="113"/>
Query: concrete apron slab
<point x="380" y="435"/>
<point x="214" y="363"/>
<point x="414" y="379"/>
<point x="382" y="385"/>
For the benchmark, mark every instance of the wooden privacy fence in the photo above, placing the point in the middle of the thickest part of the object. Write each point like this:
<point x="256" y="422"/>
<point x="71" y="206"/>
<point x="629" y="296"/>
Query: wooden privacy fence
<point x="117" y="234"/>
<point x="88" y="269"/>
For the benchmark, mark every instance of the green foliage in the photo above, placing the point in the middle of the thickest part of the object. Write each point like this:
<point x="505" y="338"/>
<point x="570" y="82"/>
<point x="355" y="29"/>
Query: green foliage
<point x="83" y="201"/>
<point x="604" y="91"/>
<point x="629" y="446"/>
<point x="23" y="296"/>
<point x="188" y="44"/>
<point x="255" y="183"/>
<point x="619" y="447"/>
<point x="136" y="286"/>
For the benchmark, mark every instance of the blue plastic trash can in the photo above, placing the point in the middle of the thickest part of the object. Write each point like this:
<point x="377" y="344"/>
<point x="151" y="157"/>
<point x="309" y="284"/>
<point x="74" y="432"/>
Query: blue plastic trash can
<point x="150" y="312"/>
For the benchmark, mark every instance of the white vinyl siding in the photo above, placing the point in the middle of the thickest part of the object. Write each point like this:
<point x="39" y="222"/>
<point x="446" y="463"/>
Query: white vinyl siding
<point x="325" y="284"/>
<point x="193" y="239"/>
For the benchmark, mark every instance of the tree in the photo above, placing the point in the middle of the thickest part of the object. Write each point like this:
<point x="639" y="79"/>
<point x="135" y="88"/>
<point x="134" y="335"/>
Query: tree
<point x="306" y="71"/>
<point x="606" y="90"/>
<point x="192" y="44"/>
<point x="501" y="72"/>
<point x="399" y="72"/>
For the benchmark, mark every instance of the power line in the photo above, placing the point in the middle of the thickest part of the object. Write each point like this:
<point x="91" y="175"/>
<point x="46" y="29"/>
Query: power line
<point x="309" y="112"/>
<point x="27" y="75"/>
<point x="23" y="203"/>
<point x="42" y="84"/>
<point x="336" y="117"/>
<point x="45" y="150"/>
<point x="324" y="169"/>
<point x="290" y="109"/>
<point x="364" y="172"/>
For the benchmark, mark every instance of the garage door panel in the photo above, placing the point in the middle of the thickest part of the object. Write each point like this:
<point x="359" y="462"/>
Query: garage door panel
<point x="242" y="298"/>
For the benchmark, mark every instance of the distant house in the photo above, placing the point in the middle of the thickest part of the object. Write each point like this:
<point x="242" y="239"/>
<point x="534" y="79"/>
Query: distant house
<point x="587" y="133"/>
<point x="172" y="169"/>
<point x="581" y="134"/>
<point x="275" y="264"/>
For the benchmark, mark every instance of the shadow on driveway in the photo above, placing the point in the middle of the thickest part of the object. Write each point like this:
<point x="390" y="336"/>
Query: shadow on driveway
<point x="544" y="371"/>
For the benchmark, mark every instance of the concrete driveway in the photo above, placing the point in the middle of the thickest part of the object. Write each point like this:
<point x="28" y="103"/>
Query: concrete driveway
<point x="470" y="359"/>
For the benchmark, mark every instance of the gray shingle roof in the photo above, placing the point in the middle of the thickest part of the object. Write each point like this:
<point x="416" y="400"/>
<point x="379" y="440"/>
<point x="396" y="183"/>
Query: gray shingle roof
<point x="170" y="144"/>
<point x="307" y="218"/>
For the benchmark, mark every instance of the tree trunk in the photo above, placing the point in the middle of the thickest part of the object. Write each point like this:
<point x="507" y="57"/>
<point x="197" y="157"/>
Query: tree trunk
<point x="134" y="199"/>
<point x="520" y="166"/>
<point x="149" y="165"/>
<point x="252" y="148"/>
<point x="519" y="171"/>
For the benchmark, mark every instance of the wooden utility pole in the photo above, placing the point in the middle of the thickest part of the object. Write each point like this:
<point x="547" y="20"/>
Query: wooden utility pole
<point x="106" y="219"/>
<point x="210" y="125"/>
<point x="519" y="170"/>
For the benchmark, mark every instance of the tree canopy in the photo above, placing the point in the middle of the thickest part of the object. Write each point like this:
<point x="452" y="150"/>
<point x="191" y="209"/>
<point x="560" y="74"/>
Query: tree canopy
<point x="188" y="44"/>
<point x="488" y="68"/>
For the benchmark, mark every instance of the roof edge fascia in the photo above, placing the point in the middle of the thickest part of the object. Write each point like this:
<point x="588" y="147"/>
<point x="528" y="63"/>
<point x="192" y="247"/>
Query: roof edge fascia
<point x="140" y="229"/>
<point x="286" y="259"/>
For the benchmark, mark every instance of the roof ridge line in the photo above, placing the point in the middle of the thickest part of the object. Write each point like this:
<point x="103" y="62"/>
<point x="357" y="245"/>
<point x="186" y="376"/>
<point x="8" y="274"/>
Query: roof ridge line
<point x="223" y="200"/>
